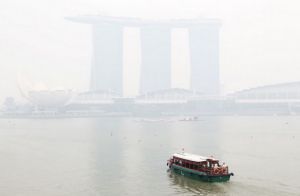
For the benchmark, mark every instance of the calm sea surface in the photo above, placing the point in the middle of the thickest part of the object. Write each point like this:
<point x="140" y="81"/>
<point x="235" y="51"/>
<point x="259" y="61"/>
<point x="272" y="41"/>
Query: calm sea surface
<point x="123" y="156"/>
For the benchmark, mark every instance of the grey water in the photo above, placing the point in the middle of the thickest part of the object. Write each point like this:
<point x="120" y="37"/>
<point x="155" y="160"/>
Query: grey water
<point x="124" y="156"/>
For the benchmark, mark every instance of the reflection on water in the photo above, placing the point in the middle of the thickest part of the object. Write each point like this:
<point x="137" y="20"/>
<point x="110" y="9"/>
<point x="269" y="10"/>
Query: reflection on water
<point x="185" y="185"/>
<point x="120" y="156"/>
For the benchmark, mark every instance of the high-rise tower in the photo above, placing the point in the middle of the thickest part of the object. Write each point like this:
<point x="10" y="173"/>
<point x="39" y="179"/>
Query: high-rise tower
<point x="107" y="62"/>
<point x="156" y="58"/>
<point x="204" y="55"/>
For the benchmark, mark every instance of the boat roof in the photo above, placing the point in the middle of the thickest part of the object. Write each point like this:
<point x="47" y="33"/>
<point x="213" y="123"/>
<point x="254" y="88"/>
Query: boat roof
<point x="193" y="157"/>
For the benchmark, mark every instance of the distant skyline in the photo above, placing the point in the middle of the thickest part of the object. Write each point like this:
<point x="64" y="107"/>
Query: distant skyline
<point x="260" y="41"/>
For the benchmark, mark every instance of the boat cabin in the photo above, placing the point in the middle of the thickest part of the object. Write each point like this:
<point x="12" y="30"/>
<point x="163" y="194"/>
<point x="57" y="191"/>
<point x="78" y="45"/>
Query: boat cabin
<point x="208" y="165"/>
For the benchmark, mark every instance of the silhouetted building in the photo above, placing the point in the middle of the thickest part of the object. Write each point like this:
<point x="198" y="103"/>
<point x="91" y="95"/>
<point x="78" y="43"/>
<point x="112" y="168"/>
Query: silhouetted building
<point x="156" y="58"/>
<point x="281" y="98"/>
<point x="204" y="53"/>
<point x="107" y="66"/>
<point x="107" y="60"/>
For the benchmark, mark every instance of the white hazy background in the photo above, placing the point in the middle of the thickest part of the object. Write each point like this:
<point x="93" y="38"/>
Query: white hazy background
<point x="260" y="41"/>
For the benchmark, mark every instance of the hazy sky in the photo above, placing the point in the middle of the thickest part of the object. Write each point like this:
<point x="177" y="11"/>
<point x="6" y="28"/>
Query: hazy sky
<point x="260" y="40"/>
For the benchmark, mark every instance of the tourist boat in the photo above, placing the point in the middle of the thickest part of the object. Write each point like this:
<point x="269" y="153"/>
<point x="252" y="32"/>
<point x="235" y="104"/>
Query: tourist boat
<point x="193" y="118"/>
<point x="198" y="167"/>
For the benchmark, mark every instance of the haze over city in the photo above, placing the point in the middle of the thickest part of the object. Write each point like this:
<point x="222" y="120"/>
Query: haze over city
<point x="259" y="42"/>
<point x="149" y="97"/>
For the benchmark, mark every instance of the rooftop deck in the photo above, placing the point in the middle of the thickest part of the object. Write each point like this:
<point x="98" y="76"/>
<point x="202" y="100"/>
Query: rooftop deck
<point x="193" y="157"/>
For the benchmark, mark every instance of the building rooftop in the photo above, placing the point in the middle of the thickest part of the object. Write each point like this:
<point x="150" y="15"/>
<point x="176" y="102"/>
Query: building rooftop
<point x="130" y="21"/>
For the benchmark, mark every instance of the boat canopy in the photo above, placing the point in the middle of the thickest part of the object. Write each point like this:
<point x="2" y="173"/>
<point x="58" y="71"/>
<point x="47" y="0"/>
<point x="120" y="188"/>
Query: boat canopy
<point x="193" y="157"/>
